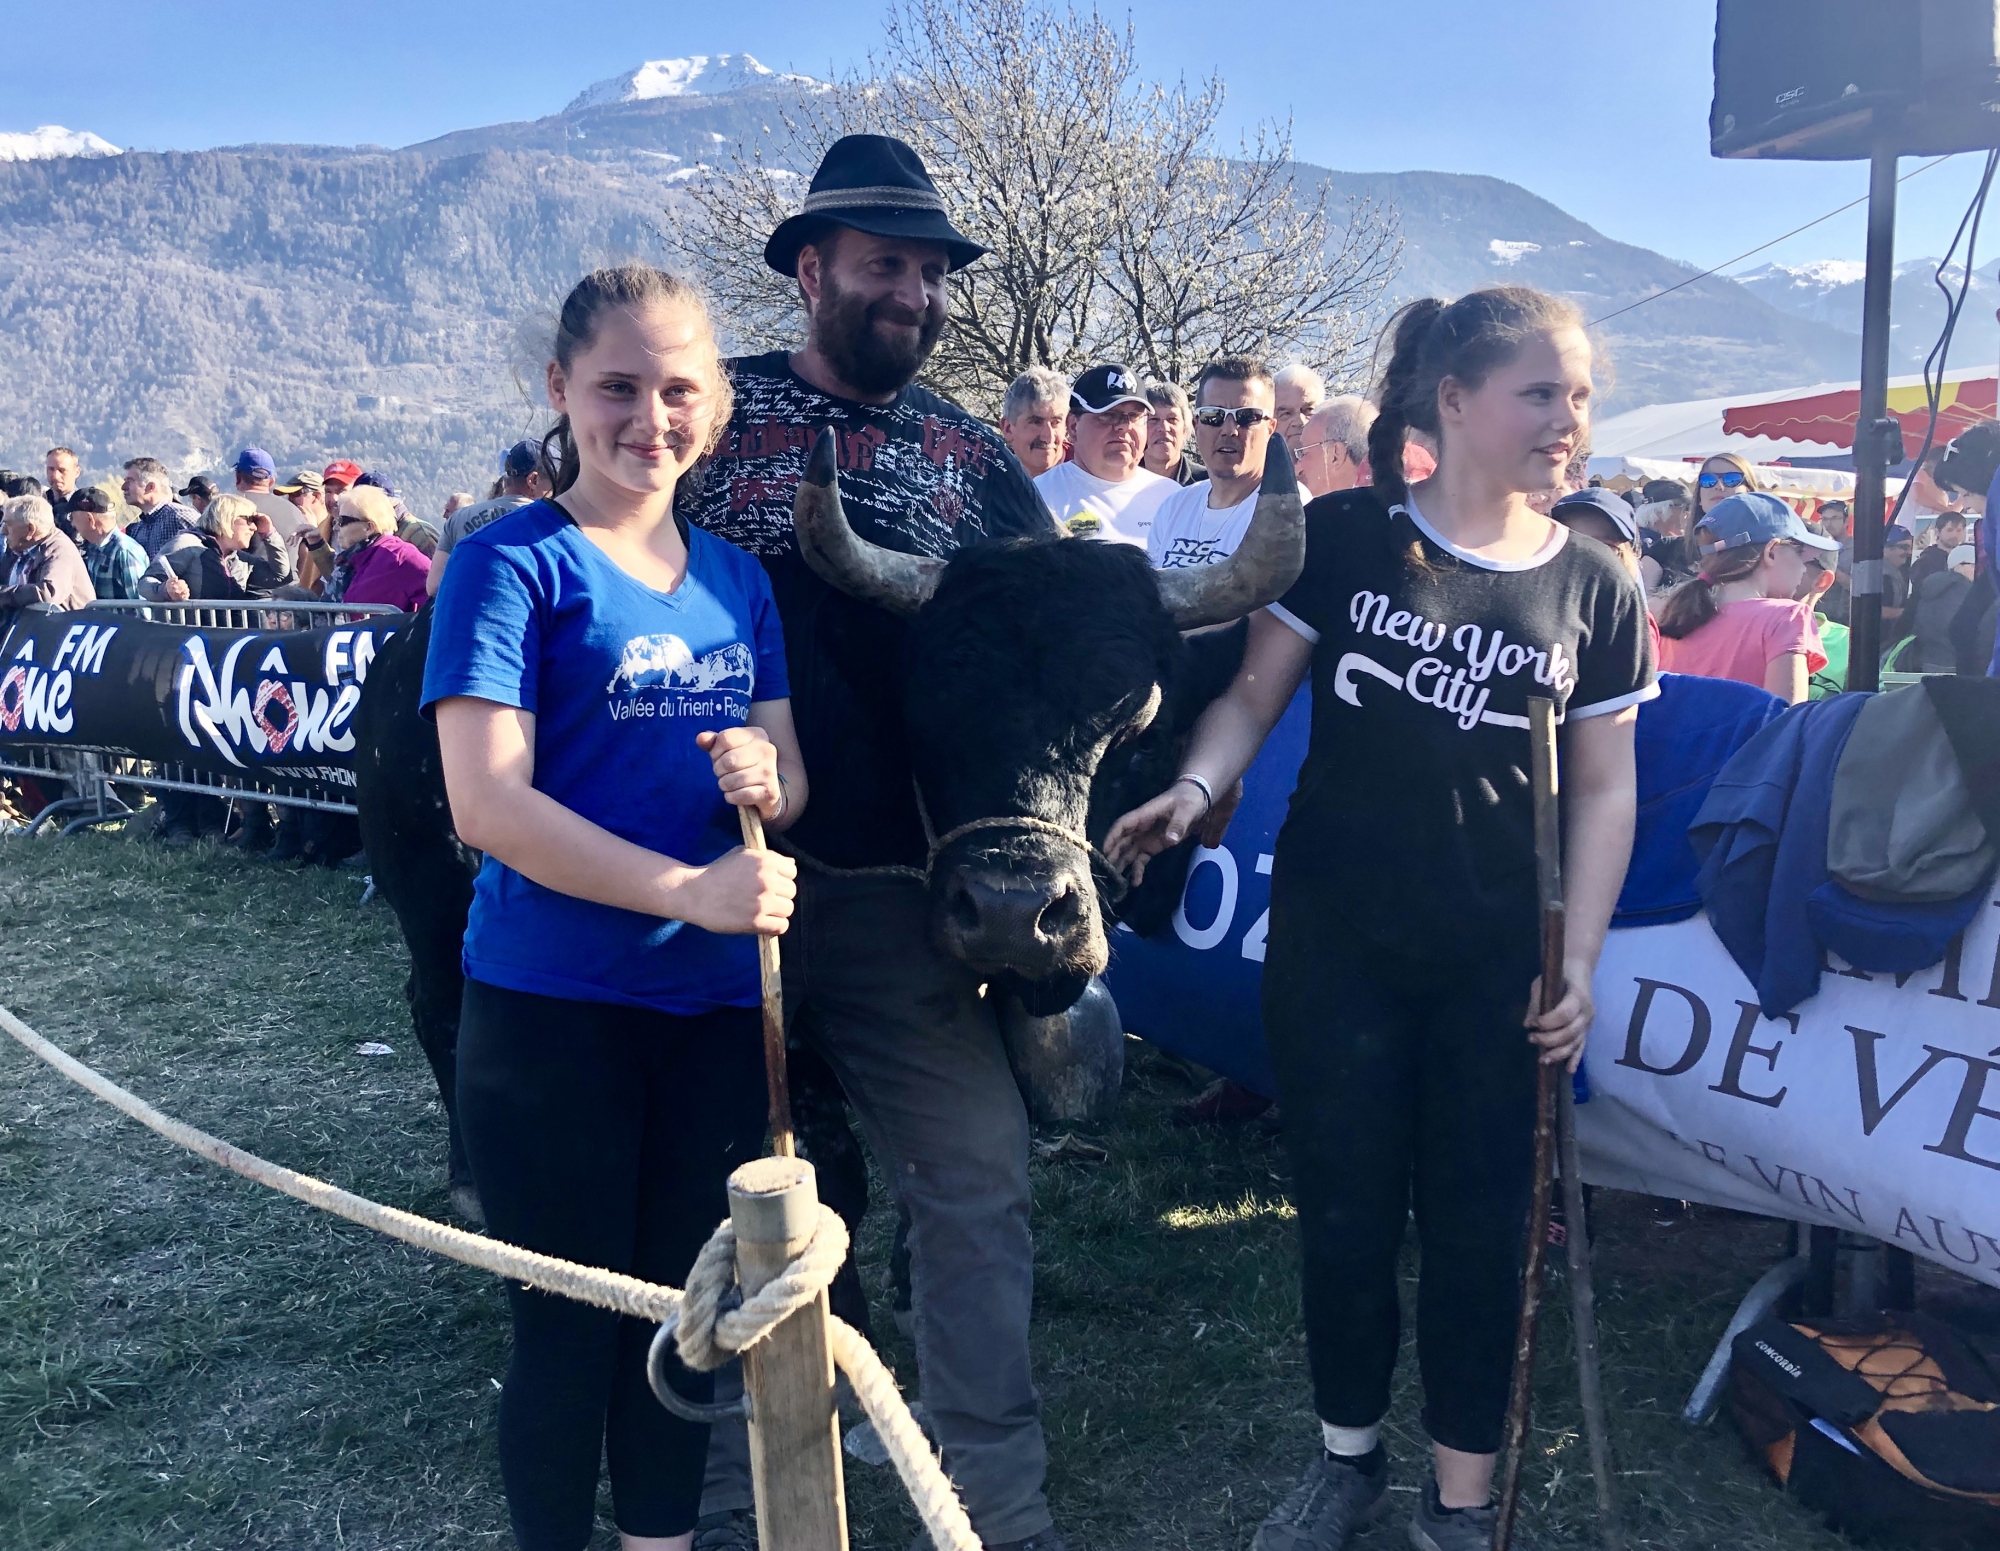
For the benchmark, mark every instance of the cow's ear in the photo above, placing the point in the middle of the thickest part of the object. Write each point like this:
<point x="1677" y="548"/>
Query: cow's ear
<point x="1213" y="658"/>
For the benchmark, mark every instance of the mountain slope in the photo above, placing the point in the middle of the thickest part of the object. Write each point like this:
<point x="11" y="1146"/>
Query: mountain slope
<point x="356" y="301"/>
<point x="1711" y="337"/>
<point x="1829" y="291"/>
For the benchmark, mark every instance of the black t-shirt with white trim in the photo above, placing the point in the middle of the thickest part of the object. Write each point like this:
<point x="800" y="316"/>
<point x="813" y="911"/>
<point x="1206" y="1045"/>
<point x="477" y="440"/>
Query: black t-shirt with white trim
<point x="1414" y="815"/>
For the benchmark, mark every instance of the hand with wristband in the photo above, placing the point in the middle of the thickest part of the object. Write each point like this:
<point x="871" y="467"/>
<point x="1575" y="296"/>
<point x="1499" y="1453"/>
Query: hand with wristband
<point x="1161" y="824"/>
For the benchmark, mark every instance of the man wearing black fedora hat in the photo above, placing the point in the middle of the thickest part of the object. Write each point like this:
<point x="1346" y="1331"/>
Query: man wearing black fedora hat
<point x="917" y="1049"/>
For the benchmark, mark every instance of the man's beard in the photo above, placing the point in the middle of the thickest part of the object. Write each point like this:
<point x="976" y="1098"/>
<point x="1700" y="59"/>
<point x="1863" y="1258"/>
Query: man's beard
<point x="843" y="327"/>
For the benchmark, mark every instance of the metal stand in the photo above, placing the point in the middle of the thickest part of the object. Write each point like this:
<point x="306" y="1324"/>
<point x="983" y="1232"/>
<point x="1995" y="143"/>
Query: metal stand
<point x="1876" y="437"/>
<point x="1871" y="448"/>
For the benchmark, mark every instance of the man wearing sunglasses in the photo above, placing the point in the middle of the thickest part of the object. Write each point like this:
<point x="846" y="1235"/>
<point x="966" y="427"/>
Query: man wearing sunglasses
<point x="1235" y="413"/>
<point x="1106" y="492"/>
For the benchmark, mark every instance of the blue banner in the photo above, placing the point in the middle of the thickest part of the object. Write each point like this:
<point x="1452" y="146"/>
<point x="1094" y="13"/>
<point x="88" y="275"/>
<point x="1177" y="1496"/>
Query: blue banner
<point x="1194" y="988"/>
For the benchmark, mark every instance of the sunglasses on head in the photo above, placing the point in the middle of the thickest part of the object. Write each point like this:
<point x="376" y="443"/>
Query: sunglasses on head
<point x="1211" y="416"/>
<point x="1728" y="481"/>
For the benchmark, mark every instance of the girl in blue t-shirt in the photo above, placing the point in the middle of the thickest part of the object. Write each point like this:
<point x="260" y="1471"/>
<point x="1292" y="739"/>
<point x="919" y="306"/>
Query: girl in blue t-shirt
<point x="609" y="685"/>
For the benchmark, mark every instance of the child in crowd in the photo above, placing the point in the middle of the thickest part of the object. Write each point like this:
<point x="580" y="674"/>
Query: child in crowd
<point x="1741" y="618"/>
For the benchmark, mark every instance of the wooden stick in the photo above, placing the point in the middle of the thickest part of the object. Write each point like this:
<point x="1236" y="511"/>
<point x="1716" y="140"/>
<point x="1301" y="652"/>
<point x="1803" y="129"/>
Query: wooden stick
<point x="1548" y="887"/>
<point x="1583" y="1314"/>
<point x="775" y="1085"/>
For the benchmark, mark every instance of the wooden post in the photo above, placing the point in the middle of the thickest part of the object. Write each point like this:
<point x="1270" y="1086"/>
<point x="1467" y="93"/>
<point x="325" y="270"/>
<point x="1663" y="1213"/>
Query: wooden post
<point x="794" y="1434"/>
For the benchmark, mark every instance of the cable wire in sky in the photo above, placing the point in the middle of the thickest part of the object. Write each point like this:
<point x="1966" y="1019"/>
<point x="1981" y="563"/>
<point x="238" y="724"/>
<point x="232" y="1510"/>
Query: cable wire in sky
<point x="1669" y="291"/>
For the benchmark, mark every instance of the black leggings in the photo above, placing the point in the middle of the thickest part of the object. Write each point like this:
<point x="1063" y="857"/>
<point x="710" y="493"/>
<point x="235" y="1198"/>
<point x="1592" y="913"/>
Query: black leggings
<point x="1404" y="1082"/>
<point x="604" y="1135"/>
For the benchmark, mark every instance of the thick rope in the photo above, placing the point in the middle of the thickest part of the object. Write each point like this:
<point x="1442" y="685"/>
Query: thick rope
<point x="716" y="1336"/>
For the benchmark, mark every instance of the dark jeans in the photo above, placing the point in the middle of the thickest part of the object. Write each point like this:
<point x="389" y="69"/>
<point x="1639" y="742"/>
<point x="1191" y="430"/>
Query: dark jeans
<point x="919" y="1054"/>
<point x="604" y="1135"/>
<point x="1404" y="1082"/>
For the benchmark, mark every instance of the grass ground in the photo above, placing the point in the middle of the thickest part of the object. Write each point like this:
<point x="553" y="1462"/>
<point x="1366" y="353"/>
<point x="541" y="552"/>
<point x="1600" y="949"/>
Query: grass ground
<point x="189" y="1362"/>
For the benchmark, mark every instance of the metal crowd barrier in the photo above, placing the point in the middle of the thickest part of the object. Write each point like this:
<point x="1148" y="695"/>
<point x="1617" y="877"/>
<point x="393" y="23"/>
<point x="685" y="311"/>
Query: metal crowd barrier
<point x="261" y="615"/>
<point x="93" y="774"/>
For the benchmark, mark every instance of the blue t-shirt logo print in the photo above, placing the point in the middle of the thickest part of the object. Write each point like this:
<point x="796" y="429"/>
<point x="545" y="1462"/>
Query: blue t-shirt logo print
<point x="533" y="614"/>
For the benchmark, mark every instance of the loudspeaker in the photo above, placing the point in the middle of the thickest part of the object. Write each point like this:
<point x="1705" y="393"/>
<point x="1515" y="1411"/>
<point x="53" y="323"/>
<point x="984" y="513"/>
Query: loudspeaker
<point x="1825" y="80"/>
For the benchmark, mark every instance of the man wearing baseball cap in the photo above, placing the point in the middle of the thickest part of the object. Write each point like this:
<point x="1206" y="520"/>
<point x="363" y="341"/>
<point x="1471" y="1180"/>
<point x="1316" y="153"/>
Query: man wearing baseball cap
<point x="918" y="1050"/>
<point x="1106" y="492"/>
<point x="520" y="485"/>
<point x="339" y="477"/>
<point x="256" y="477"/>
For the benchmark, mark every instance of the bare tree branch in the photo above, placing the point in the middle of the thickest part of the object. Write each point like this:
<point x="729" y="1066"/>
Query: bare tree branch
<point x="1119" y="229"/>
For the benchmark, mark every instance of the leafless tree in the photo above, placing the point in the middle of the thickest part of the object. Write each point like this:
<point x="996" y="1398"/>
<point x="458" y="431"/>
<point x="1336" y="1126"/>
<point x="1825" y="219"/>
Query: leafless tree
<point x="1119" y="228"/>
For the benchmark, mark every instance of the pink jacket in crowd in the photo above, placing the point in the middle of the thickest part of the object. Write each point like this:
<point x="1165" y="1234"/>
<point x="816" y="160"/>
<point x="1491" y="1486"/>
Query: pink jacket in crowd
<point x="389" y="570"/>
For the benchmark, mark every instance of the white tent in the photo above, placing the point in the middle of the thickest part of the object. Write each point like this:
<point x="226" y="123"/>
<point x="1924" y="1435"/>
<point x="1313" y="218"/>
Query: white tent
<point x="1627" y="473"/>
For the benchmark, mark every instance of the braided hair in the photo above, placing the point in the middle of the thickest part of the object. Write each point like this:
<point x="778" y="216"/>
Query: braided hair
<point x="1430" y="340"/>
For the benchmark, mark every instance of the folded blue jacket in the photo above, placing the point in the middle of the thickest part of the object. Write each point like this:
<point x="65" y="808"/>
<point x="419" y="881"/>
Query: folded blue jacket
<point x="1889" y="937"/>
<point x="1761" y="840"/>
<point x="1684" y="737"/>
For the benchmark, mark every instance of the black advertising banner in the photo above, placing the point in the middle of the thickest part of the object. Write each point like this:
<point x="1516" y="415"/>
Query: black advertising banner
<point x="249" y="704"/>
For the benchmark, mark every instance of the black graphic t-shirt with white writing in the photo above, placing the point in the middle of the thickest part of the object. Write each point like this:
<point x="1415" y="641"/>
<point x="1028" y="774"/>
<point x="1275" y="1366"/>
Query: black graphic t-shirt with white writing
<point x="918" y="475"/>
<point x="1414" y="815"/>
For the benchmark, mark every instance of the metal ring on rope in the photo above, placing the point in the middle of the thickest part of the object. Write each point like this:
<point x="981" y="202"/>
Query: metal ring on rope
<point x="687" y="1410"/>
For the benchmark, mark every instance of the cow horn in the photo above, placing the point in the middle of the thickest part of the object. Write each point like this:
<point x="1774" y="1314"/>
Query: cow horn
<point x="1265" y="564"/>
<point x="895" y="581"/>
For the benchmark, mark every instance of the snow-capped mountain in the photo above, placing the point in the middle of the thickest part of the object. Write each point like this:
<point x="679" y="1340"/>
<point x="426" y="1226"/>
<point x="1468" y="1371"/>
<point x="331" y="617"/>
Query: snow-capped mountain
<point x="1829" y="291"/>
<point x="699" y="75"/>
<point x="53" y="140"/>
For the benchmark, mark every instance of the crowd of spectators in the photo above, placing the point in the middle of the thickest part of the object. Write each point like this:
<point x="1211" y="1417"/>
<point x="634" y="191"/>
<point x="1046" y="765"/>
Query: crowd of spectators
<point x="1116" y="458"/>
<point x="336" y="534"/>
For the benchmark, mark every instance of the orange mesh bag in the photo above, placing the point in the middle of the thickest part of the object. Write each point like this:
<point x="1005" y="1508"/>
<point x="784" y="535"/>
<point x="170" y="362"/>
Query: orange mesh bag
<point x="1886" y="1424"/>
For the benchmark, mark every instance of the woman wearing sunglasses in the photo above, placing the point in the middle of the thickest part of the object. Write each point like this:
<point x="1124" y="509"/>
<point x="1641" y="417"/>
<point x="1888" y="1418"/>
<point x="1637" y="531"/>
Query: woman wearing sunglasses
<point x="367" y="562"/>
<point x="1741" y="618"/>
<point x="1721" y="477"/>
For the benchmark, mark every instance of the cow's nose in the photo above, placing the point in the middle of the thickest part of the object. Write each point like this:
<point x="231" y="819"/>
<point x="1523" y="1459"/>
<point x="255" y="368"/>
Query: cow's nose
<point x="995" y="921"/>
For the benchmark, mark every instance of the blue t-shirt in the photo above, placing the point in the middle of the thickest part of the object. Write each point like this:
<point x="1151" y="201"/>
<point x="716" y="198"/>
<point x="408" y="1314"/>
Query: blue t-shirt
<point x="620" y="677"/>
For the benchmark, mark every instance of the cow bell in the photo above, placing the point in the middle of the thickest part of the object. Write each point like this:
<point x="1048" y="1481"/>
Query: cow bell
<point x="1070" y="1066"/>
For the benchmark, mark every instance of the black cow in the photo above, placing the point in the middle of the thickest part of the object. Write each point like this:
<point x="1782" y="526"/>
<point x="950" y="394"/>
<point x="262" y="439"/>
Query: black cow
<point x="417" y="860"/>
<point x="1047" y="689"/>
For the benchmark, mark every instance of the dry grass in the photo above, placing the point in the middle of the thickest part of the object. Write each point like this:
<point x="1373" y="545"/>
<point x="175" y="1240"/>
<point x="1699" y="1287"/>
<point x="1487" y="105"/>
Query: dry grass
<point x="189" y="1362"/>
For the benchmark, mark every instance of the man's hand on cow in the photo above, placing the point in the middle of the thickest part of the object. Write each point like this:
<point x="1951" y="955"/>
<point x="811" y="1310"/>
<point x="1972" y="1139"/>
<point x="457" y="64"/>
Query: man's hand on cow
<point x="746" y="768"/>
<point x="742" y="891"/>
<point x="1157" y="826"/>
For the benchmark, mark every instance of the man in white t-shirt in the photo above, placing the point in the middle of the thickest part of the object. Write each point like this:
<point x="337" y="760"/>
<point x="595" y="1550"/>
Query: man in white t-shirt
<point x="1235" y="413"/>
<point x="1106" y="493"/>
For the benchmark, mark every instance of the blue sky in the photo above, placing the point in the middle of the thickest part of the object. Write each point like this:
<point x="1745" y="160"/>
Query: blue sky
<point x="1598" y="105"/>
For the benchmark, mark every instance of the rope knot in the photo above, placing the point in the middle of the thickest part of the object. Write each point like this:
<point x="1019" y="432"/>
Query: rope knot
<point x="710" y="1334"/>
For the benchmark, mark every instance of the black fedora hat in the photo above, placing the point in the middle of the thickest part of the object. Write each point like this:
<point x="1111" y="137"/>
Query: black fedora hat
<point x="877" y="185"/>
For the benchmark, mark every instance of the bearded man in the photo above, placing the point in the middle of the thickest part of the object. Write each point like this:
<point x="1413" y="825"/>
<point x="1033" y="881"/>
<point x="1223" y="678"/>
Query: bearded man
<point x="916" y="1047"/>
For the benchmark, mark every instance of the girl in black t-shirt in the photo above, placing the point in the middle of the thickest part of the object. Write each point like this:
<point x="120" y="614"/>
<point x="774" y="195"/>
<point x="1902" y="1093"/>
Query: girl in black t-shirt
<point x="1402" y="953"/>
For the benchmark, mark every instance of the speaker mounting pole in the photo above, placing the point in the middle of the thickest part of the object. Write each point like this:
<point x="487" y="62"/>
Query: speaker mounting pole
<point x="1875" y="435"/>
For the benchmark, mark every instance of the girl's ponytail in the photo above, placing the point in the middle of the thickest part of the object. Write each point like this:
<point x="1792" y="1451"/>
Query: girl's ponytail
<point x="1693" y="603"/>
<point x="557" y="457"/>
<point x="1399" y="392"/>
